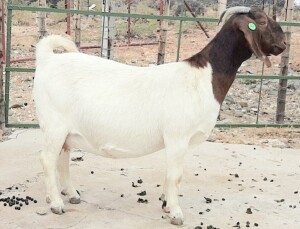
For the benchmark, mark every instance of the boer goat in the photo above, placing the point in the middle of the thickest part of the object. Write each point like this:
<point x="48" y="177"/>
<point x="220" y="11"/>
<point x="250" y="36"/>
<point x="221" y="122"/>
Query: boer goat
<point x="121" y="111"/>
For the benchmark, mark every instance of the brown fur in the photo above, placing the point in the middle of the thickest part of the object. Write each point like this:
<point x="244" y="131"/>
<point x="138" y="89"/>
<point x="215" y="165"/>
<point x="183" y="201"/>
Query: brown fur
<point x="235" y="43"/>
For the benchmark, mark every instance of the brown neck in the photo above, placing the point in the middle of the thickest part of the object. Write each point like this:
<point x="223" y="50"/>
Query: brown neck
<point x="226" y="52"/>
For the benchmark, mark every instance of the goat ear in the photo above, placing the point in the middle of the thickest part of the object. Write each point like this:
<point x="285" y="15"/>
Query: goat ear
<point x="251" y="33"/>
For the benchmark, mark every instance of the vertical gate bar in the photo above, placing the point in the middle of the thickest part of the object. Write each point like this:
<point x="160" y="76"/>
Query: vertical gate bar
<point x="68" y="6"/>
<point x="163" y="33"/>
<point x="3" y="31"/>
<point x="259" y="96"/>
<point x="77" y="23"/>
<point x="285" y="56"/>
<point x="103" y="22"/>
<point x="2" y="42"/>
<point x="129" y="22"/>
<point x="7" y="72"/>
<point x="41" y="19"/>
<point x="179" y="33"/>
<point x="179" y="41"/>
<point x="274" y="10"/>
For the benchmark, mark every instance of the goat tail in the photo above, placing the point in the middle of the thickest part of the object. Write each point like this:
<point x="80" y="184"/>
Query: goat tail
<point x="45" y="47"/>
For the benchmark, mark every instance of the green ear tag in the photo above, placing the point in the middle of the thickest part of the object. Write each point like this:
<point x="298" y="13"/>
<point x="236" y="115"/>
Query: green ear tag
<point x="252" y="26"/>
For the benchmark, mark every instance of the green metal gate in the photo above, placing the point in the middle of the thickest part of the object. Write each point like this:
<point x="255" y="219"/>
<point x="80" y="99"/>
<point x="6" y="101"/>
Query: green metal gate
<point x="11" y="7"/>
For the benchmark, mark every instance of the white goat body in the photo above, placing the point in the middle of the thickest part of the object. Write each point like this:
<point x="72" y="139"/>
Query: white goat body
<point x="119" y="110"/>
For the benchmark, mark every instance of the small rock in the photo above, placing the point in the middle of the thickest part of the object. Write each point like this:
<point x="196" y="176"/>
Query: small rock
<point x="238" y="114"/>
<point x="41" y="211"/>
<point x="243" y="104"/>
<point x="16" y="105"/>
<point x="229" y="100"/>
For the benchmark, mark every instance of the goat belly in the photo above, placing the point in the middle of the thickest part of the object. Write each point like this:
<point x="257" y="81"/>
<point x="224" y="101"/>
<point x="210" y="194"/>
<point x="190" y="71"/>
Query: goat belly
<point x="113" y="147"/>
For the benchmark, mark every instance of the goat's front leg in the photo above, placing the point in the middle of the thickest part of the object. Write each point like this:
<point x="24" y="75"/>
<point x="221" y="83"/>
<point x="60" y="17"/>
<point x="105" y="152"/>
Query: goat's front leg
<point x="175" y="152"/>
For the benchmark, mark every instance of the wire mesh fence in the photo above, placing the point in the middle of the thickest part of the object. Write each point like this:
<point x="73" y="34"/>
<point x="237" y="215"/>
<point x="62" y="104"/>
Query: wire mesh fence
<point x="250" y="102"/>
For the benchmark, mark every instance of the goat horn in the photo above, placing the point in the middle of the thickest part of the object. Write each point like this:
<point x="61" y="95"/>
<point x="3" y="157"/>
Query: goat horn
<point x="233" y="10"/>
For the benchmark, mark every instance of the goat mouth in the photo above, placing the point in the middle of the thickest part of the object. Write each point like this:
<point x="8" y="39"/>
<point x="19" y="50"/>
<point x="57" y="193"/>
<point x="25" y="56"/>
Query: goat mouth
<point x="277" y="49"/>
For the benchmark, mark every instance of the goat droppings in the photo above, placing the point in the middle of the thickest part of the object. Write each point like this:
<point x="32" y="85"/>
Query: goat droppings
<point x="143" y="201"/>
<point x="143" y="193"/>
<point x="249" y="211"/>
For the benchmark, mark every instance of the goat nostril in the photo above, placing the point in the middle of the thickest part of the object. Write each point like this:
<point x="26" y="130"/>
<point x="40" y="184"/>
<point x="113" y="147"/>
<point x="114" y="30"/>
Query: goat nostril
<point x="284" y="43"/>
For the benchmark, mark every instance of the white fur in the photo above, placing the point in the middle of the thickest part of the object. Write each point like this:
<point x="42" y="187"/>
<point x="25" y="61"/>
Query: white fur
<point x="116" y="110"/>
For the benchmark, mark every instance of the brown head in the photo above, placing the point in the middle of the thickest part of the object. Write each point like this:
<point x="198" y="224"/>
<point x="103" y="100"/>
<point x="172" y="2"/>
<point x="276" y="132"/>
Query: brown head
<point x="246" y="31"/>
<point x="263" y="34"/>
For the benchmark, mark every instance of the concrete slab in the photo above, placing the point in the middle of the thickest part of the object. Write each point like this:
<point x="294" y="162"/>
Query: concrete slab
<point x="234" y="177"/>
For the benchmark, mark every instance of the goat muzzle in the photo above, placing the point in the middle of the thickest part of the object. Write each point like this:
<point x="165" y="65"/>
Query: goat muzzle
<point x="278" y="48"/>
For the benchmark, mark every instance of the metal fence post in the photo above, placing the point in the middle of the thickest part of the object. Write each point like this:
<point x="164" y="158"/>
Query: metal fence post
<point x="285" y="57"/>
<point x="129" y="21"/>
<point x="163" y="33"/>
<point x="41" y="19"/>
<point x="107" y="31"/>
<point x="1" y="67"/>
<point x="7" y="63"/>
<point x="77" y="19"/>
<point x="68" y="18"/>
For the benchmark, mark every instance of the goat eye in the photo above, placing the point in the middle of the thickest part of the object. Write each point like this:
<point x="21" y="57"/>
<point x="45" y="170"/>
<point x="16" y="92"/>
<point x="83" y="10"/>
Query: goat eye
<point x="262" y="23"/>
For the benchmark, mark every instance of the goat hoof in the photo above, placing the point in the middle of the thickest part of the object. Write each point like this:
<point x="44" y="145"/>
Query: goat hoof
<point x="64" y="192"/>
<point x="176" y="221"/>
<point x="176" y="215"/>
<point x="57" y="210"/>
<point x="57" y="207"/>
<point x="74" y="200"/>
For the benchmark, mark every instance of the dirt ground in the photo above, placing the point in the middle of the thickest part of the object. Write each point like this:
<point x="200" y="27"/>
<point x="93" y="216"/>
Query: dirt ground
<point x="224" y="186"/>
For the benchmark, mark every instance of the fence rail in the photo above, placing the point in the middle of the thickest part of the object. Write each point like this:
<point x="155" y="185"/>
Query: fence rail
<point x="9" y="69"/>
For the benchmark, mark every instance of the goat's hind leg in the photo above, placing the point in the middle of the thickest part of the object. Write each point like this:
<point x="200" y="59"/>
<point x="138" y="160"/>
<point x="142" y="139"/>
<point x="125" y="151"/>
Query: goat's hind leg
<point x="55" y="139"/>
<point x="64" y="174"/>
